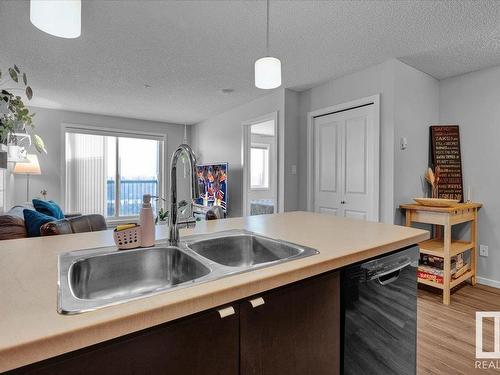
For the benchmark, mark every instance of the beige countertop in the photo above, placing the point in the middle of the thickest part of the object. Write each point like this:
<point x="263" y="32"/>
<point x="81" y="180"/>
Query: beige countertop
<point x="31" y="329"/>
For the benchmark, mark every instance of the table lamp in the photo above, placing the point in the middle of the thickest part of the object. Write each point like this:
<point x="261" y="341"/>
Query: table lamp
<point x="31" y="167"/>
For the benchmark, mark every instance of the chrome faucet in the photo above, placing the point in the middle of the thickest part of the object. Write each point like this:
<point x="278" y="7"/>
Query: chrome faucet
<point x="174" y="225"/>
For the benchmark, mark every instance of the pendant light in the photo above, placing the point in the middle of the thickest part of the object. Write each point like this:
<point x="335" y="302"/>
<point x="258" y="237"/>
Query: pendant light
<point x="267" y="69"/>
<point x="62" y="18"/>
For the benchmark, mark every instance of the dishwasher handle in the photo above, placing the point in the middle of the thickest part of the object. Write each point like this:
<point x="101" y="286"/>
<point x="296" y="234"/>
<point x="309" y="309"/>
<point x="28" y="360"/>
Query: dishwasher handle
<point x="387" y="277"/>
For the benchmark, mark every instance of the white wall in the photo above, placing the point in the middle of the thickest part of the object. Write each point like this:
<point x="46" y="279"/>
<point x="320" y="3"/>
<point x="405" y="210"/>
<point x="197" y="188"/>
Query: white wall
<point x="371" y="81"/>
<point x="472" y="101"/>
<point x="416" y="106"/>
<point x="48" y="125"/>
<point x="219" y="139"/>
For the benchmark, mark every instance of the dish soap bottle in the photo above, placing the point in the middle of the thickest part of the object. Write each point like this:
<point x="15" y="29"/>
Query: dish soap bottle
<point x="147" y="222"/>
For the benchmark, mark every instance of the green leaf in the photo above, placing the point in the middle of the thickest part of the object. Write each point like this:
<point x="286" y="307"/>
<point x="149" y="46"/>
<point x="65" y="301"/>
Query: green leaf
<point x="25" y="79"/>
<point x="16" y="68"/>
<point x="29" y="92"/>
<point x="39" y="144"/>
<point x="13" y="75"/>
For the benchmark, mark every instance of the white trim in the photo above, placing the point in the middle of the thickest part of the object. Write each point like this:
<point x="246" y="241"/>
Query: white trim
<point x="488" y="282"/>
<point x="375" y="99"/>
<point x="114" y="132"/>
<point x="277" y="178"/>
<point x="97" y="130"/>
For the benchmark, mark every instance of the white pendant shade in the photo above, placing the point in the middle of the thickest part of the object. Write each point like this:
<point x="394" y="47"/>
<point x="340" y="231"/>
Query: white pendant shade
<point x="268" y="73"/>
<point x="62" y="18"/>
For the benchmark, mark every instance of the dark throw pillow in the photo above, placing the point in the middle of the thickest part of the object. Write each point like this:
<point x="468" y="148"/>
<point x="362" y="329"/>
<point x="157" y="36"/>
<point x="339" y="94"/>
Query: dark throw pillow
<point x="34" y="220"/>
<point x="50" y="208"/>
<point x="12" y="227"/>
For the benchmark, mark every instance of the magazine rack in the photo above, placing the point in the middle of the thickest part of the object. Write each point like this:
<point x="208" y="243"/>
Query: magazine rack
<point x="442" y="245"/>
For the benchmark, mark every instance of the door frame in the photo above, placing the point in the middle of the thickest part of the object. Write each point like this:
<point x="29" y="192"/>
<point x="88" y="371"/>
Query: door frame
<point x="375" y="101"/>
<point x="245" y="142"/>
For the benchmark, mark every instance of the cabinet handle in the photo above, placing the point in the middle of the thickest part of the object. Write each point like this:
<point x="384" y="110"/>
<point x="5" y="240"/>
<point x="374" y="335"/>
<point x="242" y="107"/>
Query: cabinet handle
<point x="226" y="311"/>
<point x="256" y="302"/>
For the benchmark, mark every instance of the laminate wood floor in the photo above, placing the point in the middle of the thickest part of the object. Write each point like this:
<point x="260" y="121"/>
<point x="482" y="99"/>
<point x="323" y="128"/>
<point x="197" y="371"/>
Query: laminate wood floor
<point x="447" y="334"/>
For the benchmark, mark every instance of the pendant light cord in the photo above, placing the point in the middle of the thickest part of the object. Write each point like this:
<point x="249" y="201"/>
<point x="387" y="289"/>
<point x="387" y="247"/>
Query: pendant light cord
<point x="267" y="28"/>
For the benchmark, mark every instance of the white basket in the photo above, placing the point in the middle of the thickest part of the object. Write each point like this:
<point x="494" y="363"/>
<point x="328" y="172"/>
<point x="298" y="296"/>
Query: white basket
<point x="128" y="238"/>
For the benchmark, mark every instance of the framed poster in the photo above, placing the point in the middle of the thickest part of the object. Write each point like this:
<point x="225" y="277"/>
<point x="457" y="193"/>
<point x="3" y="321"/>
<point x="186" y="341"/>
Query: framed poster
<point x="212" y="179"/>
<point x="445" y="153"/>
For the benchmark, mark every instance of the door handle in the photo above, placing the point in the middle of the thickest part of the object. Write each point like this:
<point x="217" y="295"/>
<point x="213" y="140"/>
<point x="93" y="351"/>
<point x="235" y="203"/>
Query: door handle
<point x="342" y="202"/>
<point x="226" y="311"/>
<point x="256" y="302"/>
<point x="392" y="275"/>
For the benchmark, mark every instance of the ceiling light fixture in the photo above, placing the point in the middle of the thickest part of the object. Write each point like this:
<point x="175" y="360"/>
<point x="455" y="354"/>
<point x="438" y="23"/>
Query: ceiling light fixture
<point x="267" y="69"/>
<point x="62" y="18"/>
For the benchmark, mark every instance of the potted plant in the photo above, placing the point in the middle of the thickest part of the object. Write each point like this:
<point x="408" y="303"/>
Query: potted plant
<point x="162" y="217"/>
<point x="16" y="120"/>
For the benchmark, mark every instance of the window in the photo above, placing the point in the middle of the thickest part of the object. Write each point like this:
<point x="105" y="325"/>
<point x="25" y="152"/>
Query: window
<point x="259" y="166"/>
<point x="108" y="173"/>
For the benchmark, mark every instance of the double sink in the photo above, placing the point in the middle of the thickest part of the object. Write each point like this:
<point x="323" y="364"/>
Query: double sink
<point x="91" y="279"/>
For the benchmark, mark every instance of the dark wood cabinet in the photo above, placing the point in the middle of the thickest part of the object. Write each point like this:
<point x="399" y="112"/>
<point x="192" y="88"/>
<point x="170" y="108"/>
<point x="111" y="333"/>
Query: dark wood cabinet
<point x="295" y="331"/>
<point x="201" y="344"/>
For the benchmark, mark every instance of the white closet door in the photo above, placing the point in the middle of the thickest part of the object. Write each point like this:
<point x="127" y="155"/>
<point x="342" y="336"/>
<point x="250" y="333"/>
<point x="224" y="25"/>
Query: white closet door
<point x="327" y="164"/>
<point x="345" y="164"/>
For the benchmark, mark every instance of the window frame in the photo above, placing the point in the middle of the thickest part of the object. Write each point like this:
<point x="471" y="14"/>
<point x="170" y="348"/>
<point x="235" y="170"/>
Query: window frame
<point x="113" y="132"/>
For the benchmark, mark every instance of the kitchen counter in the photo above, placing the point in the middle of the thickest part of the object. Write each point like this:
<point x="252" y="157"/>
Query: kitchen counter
<point x="32" y="330"/>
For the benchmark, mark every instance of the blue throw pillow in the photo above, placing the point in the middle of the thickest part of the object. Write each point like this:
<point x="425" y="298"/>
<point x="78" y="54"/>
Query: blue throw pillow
<point x="48" y="208"/>
<point x="33" y="220"/>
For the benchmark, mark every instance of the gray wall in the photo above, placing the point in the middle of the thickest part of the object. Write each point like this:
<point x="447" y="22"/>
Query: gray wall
<point x="219" y="139"/>
<point x="292" y="151"/>
<point x="472" y="101"/>
<point x="409" y="104"/>
<point x="48" y="125"/>
<point x="368" y="82"/>
<point x="416" y="106"/>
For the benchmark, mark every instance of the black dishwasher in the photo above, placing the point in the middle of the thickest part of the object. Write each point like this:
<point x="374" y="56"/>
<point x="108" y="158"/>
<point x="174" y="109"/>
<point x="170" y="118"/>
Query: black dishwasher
<point x="379" y="299"/>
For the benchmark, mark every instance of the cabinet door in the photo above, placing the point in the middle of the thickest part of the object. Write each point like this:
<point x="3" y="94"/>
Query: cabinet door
<point x="295" y="331"/>
<point x="202" y="344"/>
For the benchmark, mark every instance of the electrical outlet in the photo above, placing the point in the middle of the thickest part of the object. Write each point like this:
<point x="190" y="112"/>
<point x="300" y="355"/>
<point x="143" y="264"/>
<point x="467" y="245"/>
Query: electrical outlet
<point x="483" y="250"/>
<point x="404" y="143"/>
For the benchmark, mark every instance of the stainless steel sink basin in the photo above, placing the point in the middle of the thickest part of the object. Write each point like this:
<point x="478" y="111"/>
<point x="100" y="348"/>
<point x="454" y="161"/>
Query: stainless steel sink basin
<point x="95" y="278"/>
<point x="133" y="273"/>
<point x="245" y="250"/>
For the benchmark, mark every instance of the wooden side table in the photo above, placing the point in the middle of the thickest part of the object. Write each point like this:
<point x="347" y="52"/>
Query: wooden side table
<point x="442" y="245"/>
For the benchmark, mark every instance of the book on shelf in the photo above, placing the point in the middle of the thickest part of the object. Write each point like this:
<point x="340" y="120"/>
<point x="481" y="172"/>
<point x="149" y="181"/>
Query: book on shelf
<point x="434" y="271"/>
<point x="457" y="261"/>
<point x="428" y="276"/>
<point x="437" y="275"/>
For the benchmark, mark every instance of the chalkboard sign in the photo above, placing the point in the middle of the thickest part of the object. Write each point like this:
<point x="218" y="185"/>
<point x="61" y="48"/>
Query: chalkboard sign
<point x="445" y="153"/>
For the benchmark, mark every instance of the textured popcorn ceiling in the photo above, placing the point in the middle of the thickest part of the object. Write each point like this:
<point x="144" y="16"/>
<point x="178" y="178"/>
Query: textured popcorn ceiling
<point x="187" y="51"/>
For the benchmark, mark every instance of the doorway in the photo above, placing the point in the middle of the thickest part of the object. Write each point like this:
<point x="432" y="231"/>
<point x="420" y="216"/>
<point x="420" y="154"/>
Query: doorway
<point x="260" y="166"/>
<point x="344" y="160"/>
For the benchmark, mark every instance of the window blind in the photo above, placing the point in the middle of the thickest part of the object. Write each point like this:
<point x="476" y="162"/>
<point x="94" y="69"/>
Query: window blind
<point x="85" y="173"/>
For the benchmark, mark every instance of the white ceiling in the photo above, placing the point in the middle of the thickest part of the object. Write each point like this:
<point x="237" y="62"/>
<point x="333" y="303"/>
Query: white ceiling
<point x="189" y="50"/>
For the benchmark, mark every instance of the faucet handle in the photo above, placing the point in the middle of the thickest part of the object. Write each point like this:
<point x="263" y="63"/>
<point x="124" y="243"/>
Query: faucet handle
<point x="188" y="223"/>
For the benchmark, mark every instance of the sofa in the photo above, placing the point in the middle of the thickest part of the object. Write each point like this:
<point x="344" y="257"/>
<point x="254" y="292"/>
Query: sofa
<point x="12" y="224"/>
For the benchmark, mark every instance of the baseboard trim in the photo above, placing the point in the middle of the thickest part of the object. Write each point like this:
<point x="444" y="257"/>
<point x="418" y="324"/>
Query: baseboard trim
<point x="488" y="282"/>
